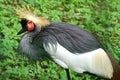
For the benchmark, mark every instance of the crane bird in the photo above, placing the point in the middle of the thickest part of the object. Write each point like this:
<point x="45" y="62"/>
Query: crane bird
<point x="70" y="46"/>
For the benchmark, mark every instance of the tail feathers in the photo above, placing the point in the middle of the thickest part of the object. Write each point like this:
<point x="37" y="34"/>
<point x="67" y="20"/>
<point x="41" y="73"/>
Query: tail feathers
<point x="116" y="69"/>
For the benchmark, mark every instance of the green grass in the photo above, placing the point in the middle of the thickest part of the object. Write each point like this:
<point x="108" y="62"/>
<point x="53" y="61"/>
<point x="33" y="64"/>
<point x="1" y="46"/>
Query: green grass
<point x="102" y="18"/>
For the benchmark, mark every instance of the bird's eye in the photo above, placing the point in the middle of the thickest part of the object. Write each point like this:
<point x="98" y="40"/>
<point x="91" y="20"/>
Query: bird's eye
<point x="30" y="25"/>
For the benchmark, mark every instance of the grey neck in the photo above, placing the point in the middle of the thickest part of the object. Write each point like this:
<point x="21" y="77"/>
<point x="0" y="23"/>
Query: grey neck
<point x="30" y="49"/>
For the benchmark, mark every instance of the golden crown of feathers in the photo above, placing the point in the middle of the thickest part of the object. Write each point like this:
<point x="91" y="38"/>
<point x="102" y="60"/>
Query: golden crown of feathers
<point x="27" y="13"/>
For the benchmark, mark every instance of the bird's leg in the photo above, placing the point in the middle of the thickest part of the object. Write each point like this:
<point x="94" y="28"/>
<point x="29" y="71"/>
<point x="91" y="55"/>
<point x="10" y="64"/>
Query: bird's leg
<point x="68" y="74"/>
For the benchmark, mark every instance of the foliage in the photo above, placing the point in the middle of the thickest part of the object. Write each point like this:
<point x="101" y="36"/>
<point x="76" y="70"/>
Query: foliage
<point x="102" y="18"/>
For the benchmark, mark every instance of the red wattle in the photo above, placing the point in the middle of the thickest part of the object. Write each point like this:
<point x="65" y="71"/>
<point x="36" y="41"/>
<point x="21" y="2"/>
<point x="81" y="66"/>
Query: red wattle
<point x="30" y="25"/>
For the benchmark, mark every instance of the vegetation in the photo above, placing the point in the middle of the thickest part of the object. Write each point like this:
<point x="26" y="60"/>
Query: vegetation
<point x="101" y="17"/>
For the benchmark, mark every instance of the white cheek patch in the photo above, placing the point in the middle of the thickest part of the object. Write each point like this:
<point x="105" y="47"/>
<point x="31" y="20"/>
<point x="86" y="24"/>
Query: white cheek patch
<point x="96" y="61"/>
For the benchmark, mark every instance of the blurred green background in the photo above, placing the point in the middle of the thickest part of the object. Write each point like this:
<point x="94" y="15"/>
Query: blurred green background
<point x="100" y="17"/>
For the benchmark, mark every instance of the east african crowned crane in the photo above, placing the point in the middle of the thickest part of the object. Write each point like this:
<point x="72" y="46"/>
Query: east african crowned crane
<point x="68" y="45"/>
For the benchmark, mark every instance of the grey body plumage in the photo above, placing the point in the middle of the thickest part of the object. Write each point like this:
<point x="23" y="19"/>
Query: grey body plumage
<point x="73" y="38"/>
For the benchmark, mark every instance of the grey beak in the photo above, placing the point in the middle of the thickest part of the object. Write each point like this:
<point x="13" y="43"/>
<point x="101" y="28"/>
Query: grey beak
<point x="21" y="31"/>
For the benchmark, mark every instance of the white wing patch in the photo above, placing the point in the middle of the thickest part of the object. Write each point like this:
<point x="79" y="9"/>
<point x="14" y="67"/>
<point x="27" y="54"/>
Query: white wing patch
<point x="96" y="62"/>
<point x="103" y="64"/>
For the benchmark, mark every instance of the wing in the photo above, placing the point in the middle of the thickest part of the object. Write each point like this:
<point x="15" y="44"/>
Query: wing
<point x="75" y="48"/>
<point x="96" y="62"/>
<point x="73" y="38"/>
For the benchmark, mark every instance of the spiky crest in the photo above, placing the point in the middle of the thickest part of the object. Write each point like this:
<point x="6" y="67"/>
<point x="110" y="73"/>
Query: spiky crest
<point x="28" y="14"/>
